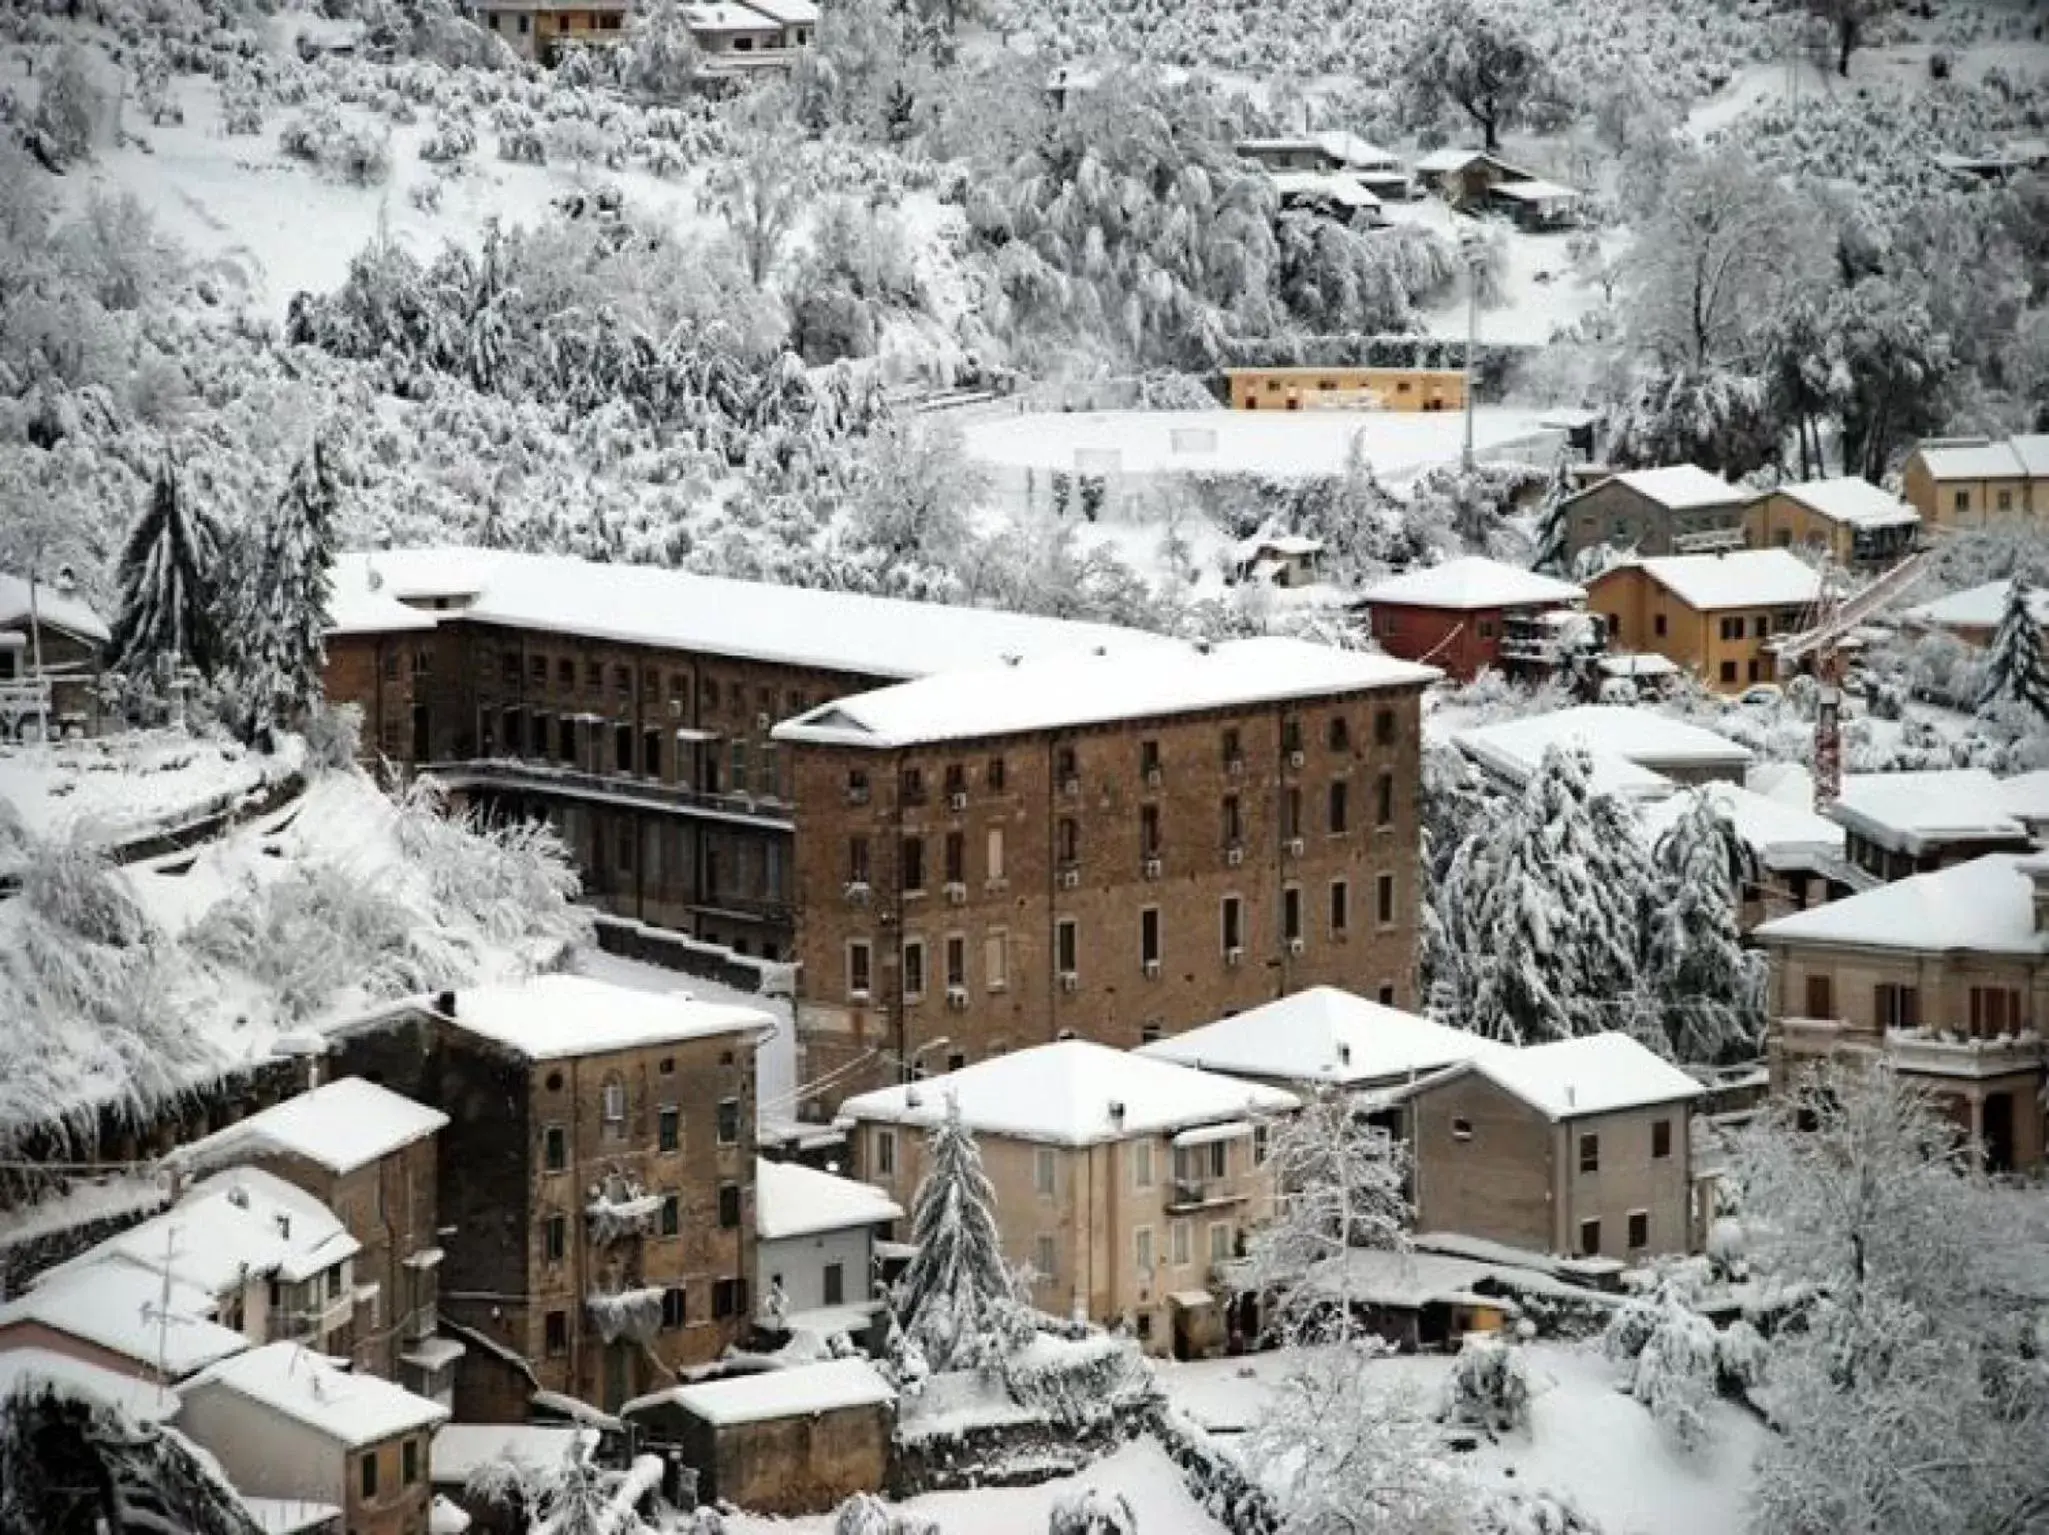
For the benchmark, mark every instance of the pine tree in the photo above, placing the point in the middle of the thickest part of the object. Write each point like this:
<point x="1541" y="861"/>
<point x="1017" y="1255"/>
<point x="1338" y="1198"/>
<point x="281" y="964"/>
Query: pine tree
<point x="2014" y="666"/>
<point x="1699" y="983"/>
<point x="282" y="620"/>
<point x="1554" y="551"/>
<point x="956" y="1300"/>
<point x="168" y="570"/>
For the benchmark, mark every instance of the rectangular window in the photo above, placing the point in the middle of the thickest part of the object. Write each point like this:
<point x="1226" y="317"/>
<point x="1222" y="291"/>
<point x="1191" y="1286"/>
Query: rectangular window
<point x="729" y="1206"/>
<point x="1141" y="1164"/>
<point x="615" y="1106"/>
<point x="956" y="779"/>
<point x="1728" y="671"/>
<point x="914" y="968"/>
<point x="1234" y="754"/>
<point x="1179" y="1235"/>
<point x="1220" y="1235"/>
<point x="1291" y="736"/>
<point x="566" y="738"/>
<point x="1590" y="1239"/>
<point x="910" y="786"/>
<point x="996" y="961"/>
<point x="729" y="1298"/>
<point x="729" y="1121"/>
<point x="857" y="860"/>
<point x="858" y="968"/>
<point x="1658" y="626"/>
<point x="1385" y="996"/>
<point x="672" y="1215"/>
<point x="1760" y="625"/>
<point x="1149" y="936"/>
<point x="995" y="775"/>
<point x="1963" y="501"/>
<point x="1045" y="1169"/>
<point x="1067" y="946"/>
<point x="1995" y="1010"/>
<point x="1383" y="899"/>
<point x="1066" y="768"/>
<point x="956" y="961"/>
<point x="956" y="858"/>
<point x="1338" y="734"/>
<point x="885" y="1153"/>
<point x="1070" y="840"/>
<point x="593" y="674"/>
<point x="554" y="1149"/>
<point x="1149" y="758"/>
<point x="554" y="1239"/>
<point x="622" y="748"/>
<point x="1142" y="1250"/>
<point x="1732" y="628"/>
<point x="1897" y="1007"/>
<point x="1340" y="808"/>
<point x="1045" y="1259"/>
<point x="1590" y="1153"/>
<point x="555" y="1327"/>
<point x="1821" y="998"/>
<point x="1291" y="913"/>
<point x="1234" y="825"/>
<point x="1383" y="727"/>
<point x="1149" y="830"/>
<point x="993" y="872"/>
<point x="1340" y="906"/>
<point x="1234" y="923"/>
<point x="675" y="1308"/>
<point x="409" y="1462"/>
<point x="1383" y="800"/>
<point x="857" y="786"/>
<point x="835" y="1284"/>
<point x="651" y="754"/>
<point x="369" y="1474"/>
<point x="1291" y="812"/>
<point x="1639" y="1230"/>
<point x="913" y="865"/>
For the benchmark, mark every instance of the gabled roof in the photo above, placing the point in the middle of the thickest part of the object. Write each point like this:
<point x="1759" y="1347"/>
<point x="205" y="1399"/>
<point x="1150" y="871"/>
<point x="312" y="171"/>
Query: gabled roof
<point x="1071" y="1094"/>
<point x="340" y="1125"/>
<point x="353" y="1410"/>
<point x="1741" y="578"/>
<point x="1678" y="487"/>
<point x="792" y="1200"/>
<point x="52" y="607"/>
<point x="1986" y="906"/>
<point x="1979" y="607"/>
<point x="1851" y="500"/>
<point x="117" y="1305"/>
<point x="1593" y="1074"/>
<point x="234" y="1225"/>
<point x="795" y="1392"/>
<point x="30" y="1368"/>
<point x="551" y="1017"/>
<point x="1914" y="812"/>
<point x="1438" y="161"/>
<point x="1166" y="679"/>
<point x="1323" y="1035"/>
<point x="1980" y="458"/>
<point x="1471" y="582"/>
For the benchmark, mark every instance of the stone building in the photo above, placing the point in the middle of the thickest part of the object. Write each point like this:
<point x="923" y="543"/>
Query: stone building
<point x="1111" y="846"/>
<point x="1679" y="509"/>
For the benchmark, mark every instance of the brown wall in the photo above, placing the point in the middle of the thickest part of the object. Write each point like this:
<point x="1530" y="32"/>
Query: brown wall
<point x="1462" y="643"/>
<point x="1615" y="513"/>
<point x="399" y="1507"/>
<point x="74" y="699"/>
<point x="804" y="1465"/>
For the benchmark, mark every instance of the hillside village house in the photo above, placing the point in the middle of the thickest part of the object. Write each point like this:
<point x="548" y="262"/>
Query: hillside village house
<point x="597" y="1181"/>
<point x="284" y="1423"/>
<point x="1110" y="846"/>
<point x="1637" y="754"/>
<point x="122" y="1318"/>
<point x="1974" y="615"/>
<point x="1676" y="510"/>
<point x="1123" y="1181"/>
<point x="1973" y="482"/>
<point x="1851" y="520"/>
<point x="368" y="1155"/>
<point x="1467" y="614"/>
<point x="71" y="640"/>
<point x="633" y="708"/>
<point x="814" y="1253"/>
<point x="1714" y="615"/>
<point x="1333" y="153"/>
<point x="1943" y="977"/>
<point x="1342" y="388"/>
<point x="1284" y="560"/>
<point x="541" y="29"/>
<point x="1900" y="824"/>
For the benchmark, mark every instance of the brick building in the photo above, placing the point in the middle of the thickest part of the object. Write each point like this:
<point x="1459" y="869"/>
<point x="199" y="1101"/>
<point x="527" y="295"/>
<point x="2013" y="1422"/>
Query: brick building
<point x="1116" y="846"/>
<point x="597" y="1182"/>
<point x="633" y="707"/>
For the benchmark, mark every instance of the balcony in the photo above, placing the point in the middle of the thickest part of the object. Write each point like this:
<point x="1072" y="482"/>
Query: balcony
<point x="1202" y="1193"/>
<point x="1822" y="1036"/>
<point x="1929" y="1053"/>
<point x="514" y="774"/>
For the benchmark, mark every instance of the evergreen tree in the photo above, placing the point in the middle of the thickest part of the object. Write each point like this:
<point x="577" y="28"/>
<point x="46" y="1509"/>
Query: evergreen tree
<point x="1699" y="983"/>
<point x="956" y="1301"/>
<point x="168" y="570"/>
<point x="283" y="613"/>
<point x="1554" y="553"/>
<point x="2014" y="666"/>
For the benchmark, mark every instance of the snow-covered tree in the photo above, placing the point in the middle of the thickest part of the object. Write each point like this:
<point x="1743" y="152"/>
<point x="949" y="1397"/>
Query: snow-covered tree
<point x="68" y="106"/>
<point x="659" y="55"/>
<point x="915" y="490"/>
<point x="866" y="1514"/>
<point x="1847" y="22"/>
<point x="1673" y="1362"/>
<point x="957" y="1300"/>
<point x="1701" y="987"/>
<point x="168" y="572"/>
<point x="2015" y="667"/>
<point x="1554" y="546"/>
<point x="1489" y="1385"/>
<point x="1339" y="1184"/>
<point x="279" y="623"/>
<point x="762" y="194"/>
<point x="1475" y="58"/>
<point x="1890" y="367"/>
<point x="1092" y="1511"/>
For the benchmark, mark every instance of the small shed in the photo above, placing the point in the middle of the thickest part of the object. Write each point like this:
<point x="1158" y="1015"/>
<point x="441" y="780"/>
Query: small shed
<point x="793" y="1441"/>
<point x="1277" y="559"/>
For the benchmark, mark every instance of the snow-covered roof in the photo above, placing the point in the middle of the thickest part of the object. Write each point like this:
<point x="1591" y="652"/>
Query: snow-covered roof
<point x="641" y="604"/>
<point x="1782" y="835"/>
<point x="1536" y="190"/>
<point x="1979" y="607"/>
<point x="340" y="1125"/>
<point x="553" y="1016"/>
<point x="1643" y="663"/>
<point x="1295" y="544"/>
<point x="1979" y="458"/>
<point x="460" y="1448"/>
<point x="1642" y="738"/>
<point x="2025" y="796"/>
<point x="1322" y="1035"/>
<point x="116" y="1305"/>
<point x="801" y="1390"/>
<point x="30" y="1368"/>
<point x="1065" y="1093"/>
<point x="1986" y="906"/>
<point x="789" y="13"/>
<point x="1680" y="487"/>
<point x="1593" y="1074"/>
<point x="1914" y="812"/>
<point x="1852" y="500"/>
<point x="1440" y="160"/>
<point x="291" y="1516"/>
<point x="1741" y="578"/>
<point x="233" y="1225"/>
<point x="367" y="606"/>
<point x="792" y="1200"/>
<point x="52" y="607"/>
<point x="354" y="1410"/>
<point x="1090" y="688"/>
<point x="1472" y="581"/>
<point x="724" y="18"/>
<point x="1347" y="149"/>
<point x="1335" y="186"/>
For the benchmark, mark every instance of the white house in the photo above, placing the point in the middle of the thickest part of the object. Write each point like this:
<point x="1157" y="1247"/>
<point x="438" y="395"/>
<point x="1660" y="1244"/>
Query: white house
<point x="814" y="1251"/>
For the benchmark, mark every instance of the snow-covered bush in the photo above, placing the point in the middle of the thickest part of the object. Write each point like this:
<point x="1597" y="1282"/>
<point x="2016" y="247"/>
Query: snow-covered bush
<point x="68" y="107"/>
<point x="1092" y="1511"/>
<point x="358" y="156"/>
<point x="866" y="1514"/>
<point x="1532" y="1513"/>
<point x="1081" y="1381"/>
<point x="1674" y="1361"/>
<point x="1489" y="1385"/>
<point x="453" y="138"/>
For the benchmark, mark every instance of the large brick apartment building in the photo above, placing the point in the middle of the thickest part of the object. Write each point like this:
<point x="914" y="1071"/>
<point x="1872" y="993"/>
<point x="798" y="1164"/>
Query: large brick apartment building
<point x="1114" y="846"/>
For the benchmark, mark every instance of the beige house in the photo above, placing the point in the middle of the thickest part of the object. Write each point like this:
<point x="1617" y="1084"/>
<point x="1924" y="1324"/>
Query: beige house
<point x="1717" y="616"/>
<point x="1122" y="1181"/>
<point x="1974" y="614"/>
<point x="1970" y="482"/>
<point x="1942" y="976"/>
<point x="1339" y="388"/>
<point x="1678" y="509"/>
<point x="1849" y="519"/>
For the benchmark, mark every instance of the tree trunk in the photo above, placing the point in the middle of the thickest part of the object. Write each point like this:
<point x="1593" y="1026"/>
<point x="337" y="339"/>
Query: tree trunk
<point x="1846" y="40"/>
<point x="1489" y="129"/>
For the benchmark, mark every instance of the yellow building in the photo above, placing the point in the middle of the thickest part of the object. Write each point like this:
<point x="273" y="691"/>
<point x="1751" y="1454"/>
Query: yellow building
<point x="1970" y="482"/>
<point x="1849" y="519"/>
<point x="536" y="29"/>
<point x="1347" y="388"/>
<point x="1714" y="615"/>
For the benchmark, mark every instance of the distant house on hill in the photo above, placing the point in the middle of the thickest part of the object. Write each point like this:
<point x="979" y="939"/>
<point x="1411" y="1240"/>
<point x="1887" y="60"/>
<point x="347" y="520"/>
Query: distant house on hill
<point x="1850" y="519"/>
<point x="1378" y="170"/>
<point x="1285" y="560"/>
<point x="1678" y="509"/>
<point x="1459" y="614"/>
<point x="1343" y="388"/>
<point x="1473" y="179"/>
<point x="1972" y="482"/>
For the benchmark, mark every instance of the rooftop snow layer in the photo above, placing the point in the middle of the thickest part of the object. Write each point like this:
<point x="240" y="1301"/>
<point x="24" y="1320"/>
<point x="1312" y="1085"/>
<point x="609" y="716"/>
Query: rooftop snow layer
<point x="1337" y="186"/>
<point x="715" y="17"/>
<point x="340" y="1125"/>
<point x="1471" y="582"/>
<point x="1851" y="500"/>
<point x="1742" y="578"/>
<point x="234" y="1225"/>
<point x="27" y="1368"/>
<point x="1979" y="607"/>
<point x="791" y="13"/>
<point x="1063" y="1093"/>
<point x="2025" y="796"/>
<point x="792" y="1200"/>
<point x="1782" y="835"/>
<point x="639" y="604"/>
<point x="51" y="607"/>
<point x="1912" y="812"/>
<point x="798" y="1391"/>
<point x="1979" y="459"/>
<point x="1534" y="191"/>
<point x="459" y="1449"/>
<point x="1167" y="679"/>
<point x="1986" y="906"/>
<point x="1641" y="738"/>
<point x="1680" y="486"/>
<point x="552" y="1016"/>
<point x="1593" y="1074"/>
<point x="355" y="1410"/>
<point x="1322" y="1035"/>
<point x="116" y="1304"/>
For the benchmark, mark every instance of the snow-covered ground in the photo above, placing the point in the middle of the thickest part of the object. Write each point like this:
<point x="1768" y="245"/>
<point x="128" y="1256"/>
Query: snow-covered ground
<point x="1140" y="1471"/>
<point x="113" y="788"/>
<point x="1540" y="291"/>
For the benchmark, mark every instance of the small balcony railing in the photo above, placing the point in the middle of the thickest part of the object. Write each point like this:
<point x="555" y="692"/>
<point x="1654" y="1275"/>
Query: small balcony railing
<point x="549" y="778"/>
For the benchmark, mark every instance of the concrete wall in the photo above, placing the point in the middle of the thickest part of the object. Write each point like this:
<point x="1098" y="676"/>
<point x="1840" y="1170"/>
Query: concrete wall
<point x="1615" y="513"/>
<point x="1644" y="616"/>
<point x="801" y="1263"/>
<point x="797" y="1465"/>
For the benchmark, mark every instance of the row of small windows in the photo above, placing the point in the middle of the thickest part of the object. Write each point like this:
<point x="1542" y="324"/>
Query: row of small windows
<point x="728" y="1299"/>
<point x="712" y="695"/>
<point x="668" y="1221"/>
<point x="668" y="1127"/>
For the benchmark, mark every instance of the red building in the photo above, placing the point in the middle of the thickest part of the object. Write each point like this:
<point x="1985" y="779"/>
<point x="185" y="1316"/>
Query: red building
<point x="1454" y="615"/>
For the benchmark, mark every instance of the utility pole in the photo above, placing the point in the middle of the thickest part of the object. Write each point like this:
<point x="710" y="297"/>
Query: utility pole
<point x="1469" y="246"/>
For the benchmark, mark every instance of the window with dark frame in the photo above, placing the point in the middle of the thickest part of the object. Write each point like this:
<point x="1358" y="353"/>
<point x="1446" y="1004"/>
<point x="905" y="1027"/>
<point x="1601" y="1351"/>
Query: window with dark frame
<point x="1340" y="906"/>
<point x="1149" y="936"/>
<point x="913" y="864"/>
<point x="1383" y="727"/>
<point x="554" y="1239"/>
<point x="668" y="1128"/>
<point x="1338" y="734"/>
<point x="1340" y="818"/>
<point x="675" y="1308"/>
<point x="1383" y="899"/>
<point x="1590" y="1239"/>
<point x="1590" y="1153"/>
<point x="729" y="1121"/>
<point x="956" y="858"/>
<point x="1661" y="1138"/>
<point x="1291" y="914"/>
<point x="672" y="1215"/>
<point x="368" y="1475"/>
<point x="554" y="1149"/>
<point x="729" y="1206"/>
<point x="1383" y="800"/>
<point x="1639" y="1230"/>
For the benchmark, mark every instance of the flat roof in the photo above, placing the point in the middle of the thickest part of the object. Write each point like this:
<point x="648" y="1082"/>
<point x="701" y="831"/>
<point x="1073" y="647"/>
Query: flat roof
<point x="1323" y="1035"/>
<point x="1913" y="812"/>
<point x="552" y="1017"/>
<point x="797" y="1391"/>
<point x="340" y="1125"/>
<point x="1471" y="582"/>
<point x="1089" y="689"/>
<point x="305" y="1386"/>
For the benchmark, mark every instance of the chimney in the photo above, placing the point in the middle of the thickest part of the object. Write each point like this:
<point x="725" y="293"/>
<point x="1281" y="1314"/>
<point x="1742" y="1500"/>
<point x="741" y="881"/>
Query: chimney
<point x="1344" y="1053"/>
<point x="1116" y="1112"/>
<point x="444" y="1003"/>
<point x="284" y="1225"/>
